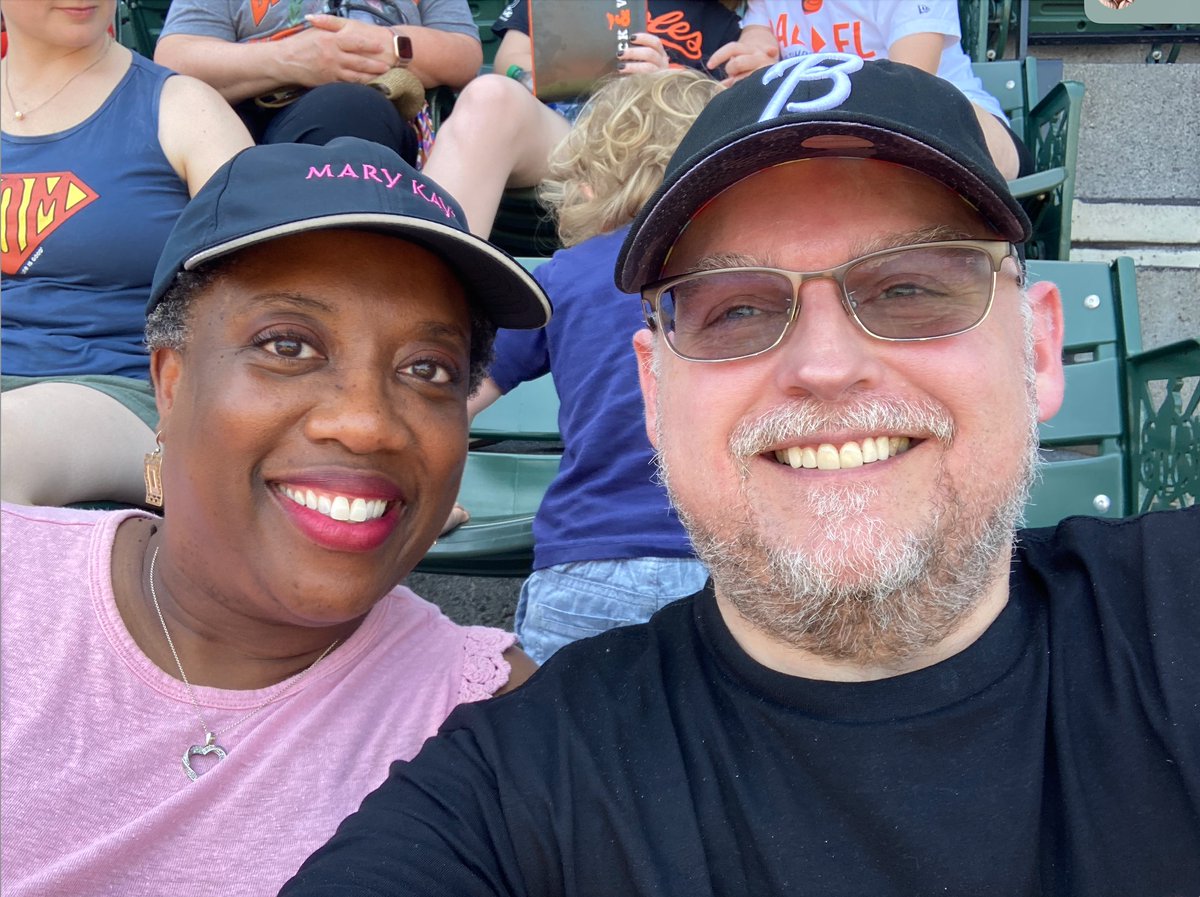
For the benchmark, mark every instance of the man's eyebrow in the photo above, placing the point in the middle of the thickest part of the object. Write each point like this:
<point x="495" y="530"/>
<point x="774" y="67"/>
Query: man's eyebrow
<point x="716" y="260"/>
<point x="932" y="234"/>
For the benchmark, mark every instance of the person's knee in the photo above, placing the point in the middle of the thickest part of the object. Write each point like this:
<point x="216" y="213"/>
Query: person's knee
<point x="492" y="103"/>
<point x="45" y="458"/>
<point x="21" y="457"/>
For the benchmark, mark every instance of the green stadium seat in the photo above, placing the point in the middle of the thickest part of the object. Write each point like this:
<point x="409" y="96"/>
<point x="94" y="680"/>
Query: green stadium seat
<point x="1050" y="129"/>
<point x="985" y="27"/>
<point x="485" y="12"/>
<point x="1127" y="438"/>
<point x="502" y="492"/>
<point x="1066" y="22"/>
<point x="140" y="22"/>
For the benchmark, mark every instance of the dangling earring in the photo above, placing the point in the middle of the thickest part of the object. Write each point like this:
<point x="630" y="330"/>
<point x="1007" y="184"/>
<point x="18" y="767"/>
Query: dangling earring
<point x="153" y="472"/>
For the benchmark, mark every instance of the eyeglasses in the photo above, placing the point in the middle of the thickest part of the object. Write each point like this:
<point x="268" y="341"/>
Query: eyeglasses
<point x="923" y="292"/>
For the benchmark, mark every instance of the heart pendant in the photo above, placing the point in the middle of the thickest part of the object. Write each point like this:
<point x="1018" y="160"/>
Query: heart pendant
<point x="199" y="750"/>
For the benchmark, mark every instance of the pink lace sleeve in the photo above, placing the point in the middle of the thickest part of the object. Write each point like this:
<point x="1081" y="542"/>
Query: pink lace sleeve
<point x="485" y="671"/>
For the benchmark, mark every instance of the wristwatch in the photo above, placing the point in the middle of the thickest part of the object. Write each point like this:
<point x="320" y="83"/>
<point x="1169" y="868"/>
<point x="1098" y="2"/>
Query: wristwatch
<point x="402" y="44"/>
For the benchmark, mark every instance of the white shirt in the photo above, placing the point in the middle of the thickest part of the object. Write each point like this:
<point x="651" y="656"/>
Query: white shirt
<point x="867" y="28"/>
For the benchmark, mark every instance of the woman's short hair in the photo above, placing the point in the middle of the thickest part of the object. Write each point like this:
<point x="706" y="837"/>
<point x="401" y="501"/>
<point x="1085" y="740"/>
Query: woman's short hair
<point x="614" y="157"/>
<point x="167" y="327"/>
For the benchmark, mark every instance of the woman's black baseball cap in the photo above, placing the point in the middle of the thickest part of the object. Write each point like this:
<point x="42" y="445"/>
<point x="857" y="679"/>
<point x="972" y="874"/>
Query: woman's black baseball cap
<point x="272" y="191"/>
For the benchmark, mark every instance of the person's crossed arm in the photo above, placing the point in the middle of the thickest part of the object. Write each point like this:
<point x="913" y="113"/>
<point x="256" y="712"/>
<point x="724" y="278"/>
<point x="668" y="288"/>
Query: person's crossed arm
<point x="327" y="50"/>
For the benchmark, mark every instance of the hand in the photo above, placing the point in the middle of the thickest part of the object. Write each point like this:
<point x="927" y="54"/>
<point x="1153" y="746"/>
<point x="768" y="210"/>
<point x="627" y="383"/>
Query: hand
<point x="740" y="58"/>
<point x="337" y="49"/>
<point x="645" y="53"/>
<point x="458" y="516"/>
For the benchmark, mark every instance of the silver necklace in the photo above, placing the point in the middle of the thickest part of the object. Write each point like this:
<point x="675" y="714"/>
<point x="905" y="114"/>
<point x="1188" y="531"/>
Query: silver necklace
<point x="20" y="116"/>
<point x="210" y="745"/>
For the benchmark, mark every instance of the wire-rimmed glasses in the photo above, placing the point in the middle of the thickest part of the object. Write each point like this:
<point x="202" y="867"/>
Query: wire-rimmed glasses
<point x="921" y="292"/>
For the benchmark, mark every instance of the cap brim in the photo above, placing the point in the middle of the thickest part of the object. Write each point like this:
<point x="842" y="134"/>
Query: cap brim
<point x="663" y="218"/>
<point x="493" y="279"/>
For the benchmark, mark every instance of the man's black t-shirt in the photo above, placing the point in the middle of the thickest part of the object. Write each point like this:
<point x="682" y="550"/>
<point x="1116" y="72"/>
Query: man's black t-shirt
<point x="690" y="30"/>
<point x="1057" y="755"/>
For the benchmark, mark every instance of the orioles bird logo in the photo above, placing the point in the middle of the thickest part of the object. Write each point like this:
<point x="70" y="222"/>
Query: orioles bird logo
<point x="32" y="206"/>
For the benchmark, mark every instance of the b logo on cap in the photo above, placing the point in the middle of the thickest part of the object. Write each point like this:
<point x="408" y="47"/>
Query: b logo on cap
<point x="834" y="67"/>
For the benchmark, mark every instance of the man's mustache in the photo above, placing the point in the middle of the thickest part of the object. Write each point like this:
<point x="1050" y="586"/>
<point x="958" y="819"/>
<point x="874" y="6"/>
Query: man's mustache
<point x="807" y="419"/>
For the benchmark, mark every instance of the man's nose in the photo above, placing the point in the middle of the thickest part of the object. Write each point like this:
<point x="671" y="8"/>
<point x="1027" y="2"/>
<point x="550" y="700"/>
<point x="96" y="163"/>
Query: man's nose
<point x="825" y="353"/>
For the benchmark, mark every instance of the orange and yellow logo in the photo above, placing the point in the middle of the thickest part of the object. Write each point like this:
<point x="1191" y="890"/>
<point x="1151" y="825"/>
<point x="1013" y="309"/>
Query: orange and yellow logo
<point x="31" y="207"/>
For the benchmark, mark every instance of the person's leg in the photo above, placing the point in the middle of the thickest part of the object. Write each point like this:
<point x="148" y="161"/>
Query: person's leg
<point x="343" y="110"/>
<point x="572" y="601"/>
<point x="499" y="135"/>
<point x="1001" y="143"/>
<point x="62" y="443"/>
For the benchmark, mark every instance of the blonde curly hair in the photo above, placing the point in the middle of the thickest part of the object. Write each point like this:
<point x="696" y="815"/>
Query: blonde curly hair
<point x="614" y="157"/>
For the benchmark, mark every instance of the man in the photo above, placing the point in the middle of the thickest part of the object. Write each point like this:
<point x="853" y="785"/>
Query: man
<point x="881" y="692"/>
<point x="264" y="49"/>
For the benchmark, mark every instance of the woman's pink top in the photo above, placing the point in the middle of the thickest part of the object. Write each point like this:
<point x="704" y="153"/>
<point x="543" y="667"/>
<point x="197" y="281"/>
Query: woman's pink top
<point x="95" y="799"/>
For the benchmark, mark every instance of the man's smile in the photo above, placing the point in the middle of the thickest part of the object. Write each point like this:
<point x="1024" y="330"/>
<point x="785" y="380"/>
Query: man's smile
<point x="856" y="453"/>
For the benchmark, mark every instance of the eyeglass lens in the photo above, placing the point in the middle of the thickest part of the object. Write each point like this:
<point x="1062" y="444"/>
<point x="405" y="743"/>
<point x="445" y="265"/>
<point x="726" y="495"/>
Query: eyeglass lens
<point x="913" y="293"/>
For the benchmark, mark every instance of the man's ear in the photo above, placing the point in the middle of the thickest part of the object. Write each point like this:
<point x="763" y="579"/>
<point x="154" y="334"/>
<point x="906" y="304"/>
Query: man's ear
<point x="166" y="369"/>
<point x="643" y="347"/>
<point x="1046" y="305"/>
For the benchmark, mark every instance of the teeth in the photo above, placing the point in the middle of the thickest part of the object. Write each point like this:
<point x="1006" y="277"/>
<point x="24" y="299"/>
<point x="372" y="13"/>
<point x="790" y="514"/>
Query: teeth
<point x="337" y="507"/>
<point x="852" y="454"/>
<point x="340" y="509"/>
<point x="827" y="457"/>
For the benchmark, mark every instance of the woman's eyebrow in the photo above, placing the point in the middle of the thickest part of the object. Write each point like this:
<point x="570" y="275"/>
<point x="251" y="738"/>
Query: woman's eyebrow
<point x="292" y="298"/>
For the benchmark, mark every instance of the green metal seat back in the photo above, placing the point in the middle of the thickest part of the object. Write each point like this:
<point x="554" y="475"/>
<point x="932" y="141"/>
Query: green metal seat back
<point x="1085" y="467"/>
<point x="502" y="493"/>
<point x="527" y="412"/>
<point x="484" y="13"/>
<point x="140" y="22"/>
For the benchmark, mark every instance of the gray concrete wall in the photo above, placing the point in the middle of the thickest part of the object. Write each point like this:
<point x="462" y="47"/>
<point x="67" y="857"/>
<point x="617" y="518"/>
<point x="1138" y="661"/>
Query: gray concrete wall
<point x="1138" y="185"/>
<point x="1137" y="193"/>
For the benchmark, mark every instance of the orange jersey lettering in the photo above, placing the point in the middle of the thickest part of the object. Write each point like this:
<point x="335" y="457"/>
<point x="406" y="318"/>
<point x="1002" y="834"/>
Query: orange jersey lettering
<point x="676" y="33"/>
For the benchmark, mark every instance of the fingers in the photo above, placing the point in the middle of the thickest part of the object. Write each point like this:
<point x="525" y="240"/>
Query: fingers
<point x="458" y="516"/>
<point x="356" y="37"/>
<point x="645" y="53"/>
<point x="327" y="23"/>
<point x="723" y="54"/>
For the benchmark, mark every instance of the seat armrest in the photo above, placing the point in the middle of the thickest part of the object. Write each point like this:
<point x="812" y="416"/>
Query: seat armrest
<point x="1163" y="388"/>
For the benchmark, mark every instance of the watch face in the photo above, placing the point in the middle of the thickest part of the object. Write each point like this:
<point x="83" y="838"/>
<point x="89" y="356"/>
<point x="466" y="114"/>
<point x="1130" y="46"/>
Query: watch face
<point x="403" y="45"/>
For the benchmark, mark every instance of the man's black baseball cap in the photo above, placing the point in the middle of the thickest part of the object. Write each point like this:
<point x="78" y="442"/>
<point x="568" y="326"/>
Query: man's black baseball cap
<point x="272" y="191"/>
<point x="821" y="105"/>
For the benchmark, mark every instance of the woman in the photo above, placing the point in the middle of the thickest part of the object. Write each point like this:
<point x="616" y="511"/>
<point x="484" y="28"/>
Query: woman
<point x="500" y="135"/>
<point x="609" y="551"/>
<point x="102" y="149"/>
<point x="221" y="687"/>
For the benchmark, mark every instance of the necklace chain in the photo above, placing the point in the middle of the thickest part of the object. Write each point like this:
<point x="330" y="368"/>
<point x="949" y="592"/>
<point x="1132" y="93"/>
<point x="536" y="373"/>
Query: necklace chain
<point x="20" y="115"/>
<point x="210" y="736"/>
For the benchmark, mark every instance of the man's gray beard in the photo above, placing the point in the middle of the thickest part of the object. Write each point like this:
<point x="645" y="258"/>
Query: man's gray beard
<point x="863" y="595"/>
